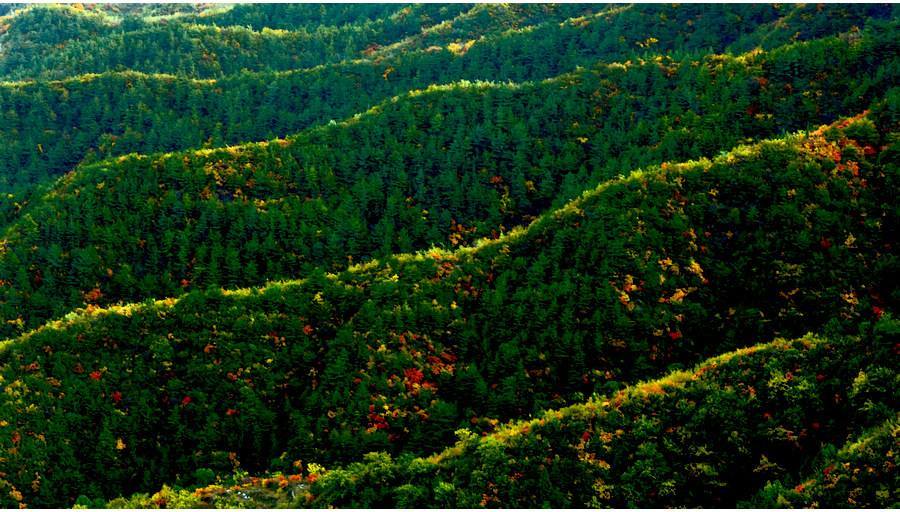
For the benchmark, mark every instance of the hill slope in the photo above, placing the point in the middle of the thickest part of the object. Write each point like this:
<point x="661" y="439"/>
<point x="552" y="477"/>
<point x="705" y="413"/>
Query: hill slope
<point x="442" y="166"/>
<point x="117" y="113"/>
<point x="486" y="256"/>
<point x="710" y="437"/>
<point x="57" y="42"/>
<point x="396" y="355"/>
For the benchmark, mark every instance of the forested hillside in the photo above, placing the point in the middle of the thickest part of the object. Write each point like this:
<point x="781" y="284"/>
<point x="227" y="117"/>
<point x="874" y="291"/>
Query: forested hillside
<point x="54" y="125"/>
<point x="446" y="165"/>
<point x="449" y="255"/>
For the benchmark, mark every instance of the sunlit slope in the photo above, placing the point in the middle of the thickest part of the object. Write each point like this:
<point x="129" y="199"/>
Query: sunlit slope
<point x="709" y="437"/>
<point x="632" y="29"/>
<point x="312" y="16"/>
<point x="52" y="126"/>
<point x="31" y="33"/>
<point x="445" y="166"/>
<point x="630" y="448"/>
<point x="497" y="245"/>
<point x="802" y="22"/>
<point x="643" y="274"/>
<point x="860" y="473"/>
<point x="490" y="22"/>
<point x="675" y="417"/>
<point x="57" y="42"/>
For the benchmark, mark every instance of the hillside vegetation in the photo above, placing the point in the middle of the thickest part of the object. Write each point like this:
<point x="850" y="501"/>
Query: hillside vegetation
<point x="444" y="166"/>
<point x="52" y="126"/>
<point x="368" y="360"/>
<point x="693" y="437"/>
<point x="449" y="255"/>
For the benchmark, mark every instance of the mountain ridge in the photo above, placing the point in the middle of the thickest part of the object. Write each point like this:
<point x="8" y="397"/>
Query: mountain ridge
<point x="449" y="256"/>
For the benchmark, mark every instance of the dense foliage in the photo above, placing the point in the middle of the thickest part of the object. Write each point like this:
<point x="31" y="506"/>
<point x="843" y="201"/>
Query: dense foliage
<point x="707" y="437"/>
<point x="862" y="474"/>
<point x="449" y="255"/>
<point x="368" y="360"/>
<point x="712" y="435"/>
<point x="52" y="126"/>
<point x="97" y="43"/>
<point x="442" y="166"/>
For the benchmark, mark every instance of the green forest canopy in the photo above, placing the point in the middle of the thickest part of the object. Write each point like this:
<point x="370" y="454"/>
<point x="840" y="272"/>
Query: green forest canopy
<point x="458" y="255"/>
